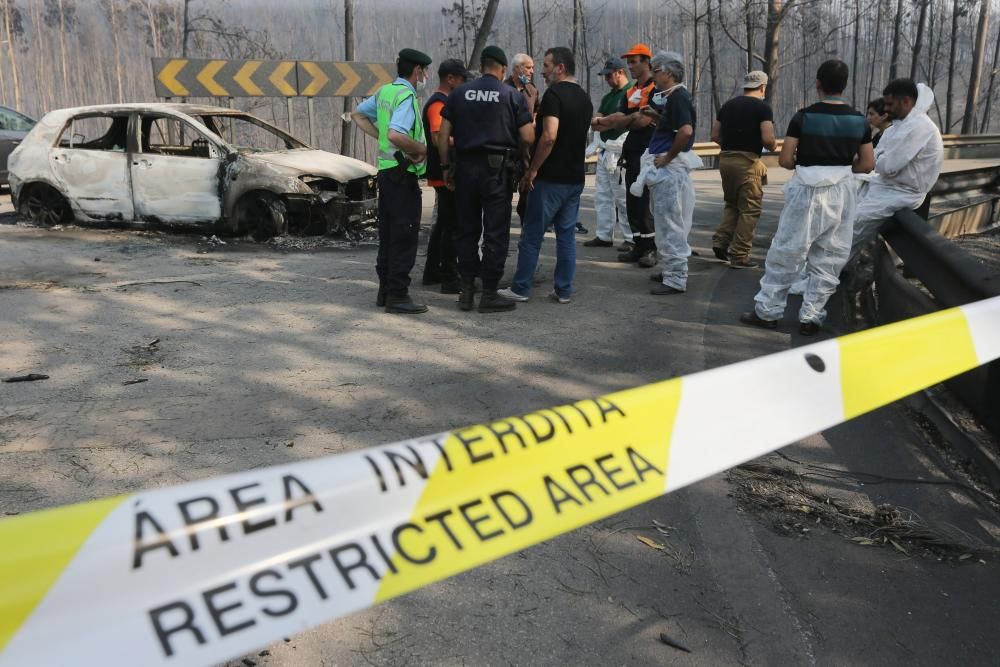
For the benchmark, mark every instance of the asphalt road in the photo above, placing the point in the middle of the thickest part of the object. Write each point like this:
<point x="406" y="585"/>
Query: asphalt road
<point x="269" y="355"/>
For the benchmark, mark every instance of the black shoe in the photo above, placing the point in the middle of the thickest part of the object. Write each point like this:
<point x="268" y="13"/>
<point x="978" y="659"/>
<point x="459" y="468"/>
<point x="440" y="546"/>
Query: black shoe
<point x="656" y="277"/>
<point x="403" y="305"/>
<point x="753" y="319"/>
<point x="742" y="263"/>
<point x="664" y="290"/>
<point x="580" y="229"/>
<point x="630" y="257"/>
<point x="380" y="298"/>
<point x="491" y="302"/>
<point x="721" y="252"/>
<point x="597" y="243"/>
<point x="626" y="246"/>
<point x="649" y="259"/>
<point x="451" y="287"/>
<point x="467" y="295"/>
<point x="808" y="328"/>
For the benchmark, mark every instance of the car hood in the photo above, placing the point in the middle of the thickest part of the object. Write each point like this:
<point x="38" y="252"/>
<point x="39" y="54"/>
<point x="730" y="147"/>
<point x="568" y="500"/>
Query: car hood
<point x="315" y="163"/>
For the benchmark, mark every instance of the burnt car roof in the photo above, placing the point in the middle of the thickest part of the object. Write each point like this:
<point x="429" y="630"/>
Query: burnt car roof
<point x="162" y="107"/>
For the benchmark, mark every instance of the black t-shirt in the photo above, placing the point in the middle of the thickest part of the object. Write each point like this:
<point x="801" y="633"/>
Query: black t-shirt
<point x="740" y="119"/>
<point x="568" y="102"/>
<point x="635" y="98"/>
<point x="677" y="111"/>
<point x="485" y="112"/>
<point x="828" y="134"/>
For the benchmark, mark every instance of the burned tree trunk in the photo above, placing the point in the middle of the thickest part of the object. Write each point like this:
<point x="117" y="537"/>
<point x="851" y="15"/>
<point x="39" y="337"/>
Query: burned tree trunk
<point x="484" y="32"/>
<point x="918" y="42"/>
<point x="346" y="126"/>
<point x="896" y="31"/>
<point x="972" y="97"/>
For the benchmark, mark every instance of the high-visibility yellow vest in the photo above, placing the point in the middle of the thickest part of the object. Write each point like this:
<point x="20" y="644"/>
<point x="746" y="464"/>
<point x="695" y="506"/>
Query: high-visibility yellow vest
<point x="387" y="99"/>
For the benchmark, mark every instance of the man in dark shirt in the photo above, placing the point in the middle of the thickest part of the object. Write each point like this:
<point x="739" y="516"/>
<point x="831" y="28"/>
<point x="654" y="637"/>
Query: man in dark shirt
<point x="488" y="120"/>
<point x="555" y="178"/>
<point x="824" y="144"/>
<point x="744" y="127"/>
<point x="671" y="189"/>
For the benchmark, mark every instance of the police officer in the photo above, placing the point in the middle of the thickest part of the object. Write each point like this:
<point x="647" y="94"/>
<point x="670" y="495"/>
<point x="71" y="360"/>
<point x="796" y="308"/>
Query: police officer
<point x="487" y="118"/>
<point x="393" y="117"/>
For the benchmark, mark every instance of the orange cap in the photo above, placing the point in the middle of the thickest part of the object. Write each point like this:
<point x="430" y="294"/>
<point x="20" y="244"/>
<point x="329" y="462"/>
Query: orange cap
<point x="638" y="50"/>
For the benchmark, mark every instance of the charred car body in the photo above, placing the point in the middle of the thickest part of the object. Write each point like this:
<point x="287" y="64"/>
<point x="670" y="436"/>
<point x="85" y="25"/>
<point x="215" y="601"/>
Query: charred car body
<point x="186" y="165"/>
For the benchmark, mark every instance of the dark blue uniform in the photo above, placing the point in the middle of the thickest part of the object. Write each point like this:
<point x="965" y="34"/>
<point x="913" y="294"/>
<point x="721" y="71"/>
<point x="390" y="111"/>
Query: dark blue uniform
<point x="485" y="115"/>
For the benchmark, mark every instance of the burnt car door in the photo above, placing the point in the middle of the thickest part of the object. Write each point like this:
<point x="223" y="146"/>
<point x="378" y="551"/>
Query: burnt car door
<point x="90" y="165"/>
<point x="175" y="173"/>
<point x="13" y="128"/>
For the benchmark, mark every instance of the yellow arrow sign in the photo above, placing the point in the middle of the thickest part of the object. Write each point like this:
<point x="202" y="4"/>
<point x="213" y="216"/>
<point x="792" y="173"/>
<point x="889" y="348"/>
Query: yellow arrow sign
<point x="206" y="77"/>
<point x="382" y="77"/>
<point x="168" y="74"/>
<point x="319" y="79"/>
<point x="351" y="78"/>
<point x="244" y="79"/>
<point x="278" y="78"/>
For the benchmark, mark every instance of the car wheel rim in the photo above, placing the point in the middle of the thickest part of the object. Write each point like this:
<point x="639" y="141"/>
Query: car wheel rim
<point x="45" y="209"/>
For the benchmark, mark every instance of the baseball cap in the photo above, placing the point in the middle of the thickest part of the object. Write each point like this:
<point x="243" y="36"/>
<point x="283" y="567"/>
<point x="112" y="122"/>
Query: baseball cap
<point x="496" y="53"/>
<point x="612" y="65"/>
<point x="453" y="66"/>
<point x="754" y="79"/>
<point x="638" y="50"/>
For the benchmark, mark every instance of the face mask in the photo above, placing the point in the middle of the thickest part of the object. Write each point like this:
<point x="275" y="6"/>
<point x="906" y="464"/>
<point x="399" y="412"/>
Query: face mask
<point x="524" y="79"/>
<point x="659" y="98"/>
<point x="420" y="85"/>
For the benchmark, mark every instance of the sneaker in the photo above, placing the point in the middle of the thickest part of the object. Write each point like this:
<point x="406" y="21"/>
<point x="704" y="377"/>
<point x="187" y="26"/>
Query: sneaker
<point x="742" y="263"/>
<point x="597" y="243"/>
<point x="753" y="319"/>
<point x="721" y="252"/>
<point x="648" y="259"/>
<point x="630" y="257"/>
<point x="626" y="246"/>
<point x="661" y="290"/>
<point x="509" y="293"/>
<point x="580" y="229"/>
<point x="808" y="328"/>
<point x="559" y="299"/>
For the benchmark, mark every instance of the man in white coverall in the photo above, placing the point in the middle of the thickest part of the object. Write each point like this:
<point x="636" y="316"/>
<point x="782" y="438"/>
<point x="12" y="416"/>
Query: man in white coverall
<point x="609" y="188"/>
<point x="666" y="170"/>
<point x="824" y="144"/>
<point x="907" y="161"/>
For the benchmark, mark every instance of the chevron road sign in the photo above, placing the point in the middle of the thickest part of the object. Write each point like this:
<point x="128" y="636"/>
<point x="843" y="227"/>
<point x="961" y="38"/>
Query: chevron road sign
<point x="339" y="79"/>
<point x="182" y="77"/>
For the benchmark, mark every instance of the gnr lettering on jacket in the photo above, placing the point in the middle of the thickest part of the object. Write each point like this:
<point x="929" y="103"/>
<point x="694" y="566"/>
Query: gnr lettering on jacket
<point x="483" y="95"/>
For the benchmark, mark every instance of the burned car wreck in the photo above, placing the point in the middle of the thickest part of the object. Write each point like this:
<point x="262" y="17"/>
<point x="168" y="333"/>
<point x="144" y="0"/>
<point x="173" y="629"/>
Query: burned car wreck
<point x="185" y="165"/>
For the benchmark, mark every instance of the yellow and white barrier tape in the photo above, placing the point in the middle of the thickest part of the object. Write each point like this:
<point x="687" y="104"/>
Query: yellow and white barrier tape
<point x="199" y="573"/>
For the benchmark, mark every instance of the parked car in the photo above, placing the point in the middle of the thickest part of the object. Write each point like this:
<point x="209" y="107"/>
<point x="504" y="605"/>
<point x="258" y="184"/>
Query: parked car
<point x="13" y="128"/>
<point x="184" y="164"/>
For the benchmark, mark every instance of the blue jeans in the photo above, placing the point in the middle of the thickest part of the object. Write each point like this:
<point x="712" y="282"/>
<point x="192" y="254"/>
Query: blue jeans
<point x="549" y="203"/>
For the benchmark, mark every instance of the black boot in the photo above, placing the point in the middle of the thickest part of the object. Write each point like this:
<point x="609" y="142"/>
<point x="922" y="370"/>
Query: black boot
<point x="467" y="297"/>
<point x="403" y="305"/>
<point x="380" y="298"/>
<point x="491" y="302"/>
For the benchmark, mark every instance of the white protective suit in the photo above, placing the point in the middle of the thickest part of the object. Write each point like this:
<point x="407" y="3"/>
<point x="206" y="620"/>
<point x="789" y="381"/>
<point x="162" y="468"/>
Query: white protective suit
<point x="908" y="162"/>
<point x="609" y="189"/>
<point x="814" y="234"/>
<point x="671" y="197"/>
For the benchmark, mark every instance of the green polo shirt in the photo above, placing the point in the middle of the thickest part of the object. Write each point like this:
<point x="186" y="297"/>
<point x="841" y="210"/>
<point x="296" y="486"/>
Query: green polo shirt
<point x="611" y="103"/>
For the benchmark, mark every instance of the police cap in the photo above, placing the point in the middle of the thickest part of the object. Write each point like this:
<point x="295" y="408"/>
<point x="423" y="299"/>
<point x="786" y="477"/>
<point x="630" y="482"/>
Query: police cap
<point x="495" y="53"/>
<point x="415" y="57"/>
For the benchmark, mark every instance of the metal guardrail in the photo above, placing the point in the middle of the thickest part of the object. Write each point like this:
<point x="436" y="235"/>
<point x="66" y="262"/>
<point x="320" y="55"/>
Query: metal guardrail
<point x="952" y="278"/>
